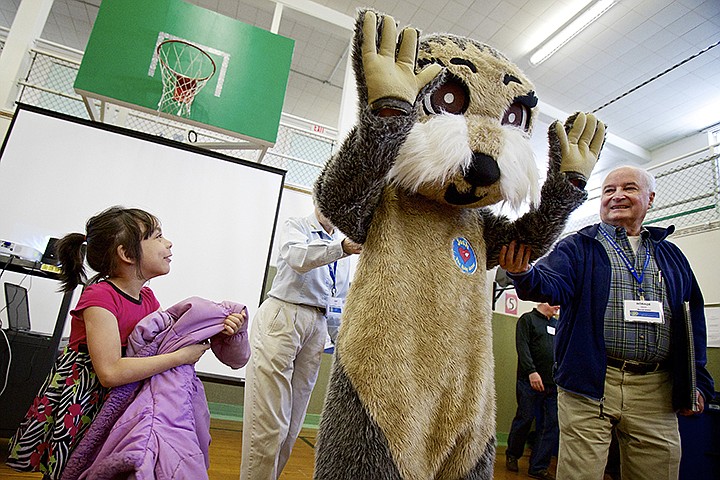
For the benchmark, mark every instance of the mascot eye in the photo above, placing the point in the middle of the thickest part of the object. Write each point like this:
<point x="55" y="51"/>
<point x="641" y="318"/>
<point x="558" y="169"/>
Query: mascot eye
<point x="517" y="115"/>
<point x="450" y="97"/>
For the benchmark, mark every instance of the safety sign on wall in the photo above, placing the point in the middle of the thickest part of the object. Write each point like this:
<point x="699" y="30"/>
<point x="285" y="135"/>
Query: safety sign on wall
<point x="511" y="303"/>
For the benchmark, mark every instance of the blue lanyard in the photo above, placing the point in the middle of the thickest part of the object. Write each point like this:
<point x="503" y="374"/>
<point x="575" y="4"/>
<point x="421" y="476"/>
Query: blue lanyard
<point x="333" y="269"/>
<point x="628" y="264"/>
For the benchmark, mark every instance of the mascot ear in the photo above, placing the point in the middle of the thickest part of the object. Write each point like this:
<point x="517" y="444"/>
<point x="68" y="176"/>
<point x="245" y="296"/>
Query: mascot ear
<point x="580" y="141"/>
<point x="391" y="81"/>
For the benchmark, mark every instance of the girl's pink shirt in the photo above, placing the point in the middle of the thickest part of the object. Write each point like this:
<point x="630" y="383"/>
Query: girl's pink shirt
<point x="128" y="311"/>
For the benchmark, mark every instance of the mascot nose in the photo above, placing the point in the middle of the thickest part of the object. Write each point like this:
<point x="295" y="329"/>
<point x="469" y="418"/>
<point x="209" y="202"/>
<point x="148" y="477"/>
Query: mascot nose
<point x="483" y="171"/>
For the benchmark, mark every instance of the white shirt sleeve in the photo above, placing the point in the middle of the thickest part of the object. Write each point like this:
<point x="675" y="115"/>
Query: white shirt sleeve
<point x="302" y="252"/>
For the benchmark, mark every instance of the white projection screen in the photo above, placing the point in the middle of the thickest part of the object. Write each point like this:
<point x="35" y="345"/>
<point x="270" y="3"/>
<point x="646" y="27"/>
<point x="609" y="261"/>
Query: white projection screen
<point x="220" y="212"/>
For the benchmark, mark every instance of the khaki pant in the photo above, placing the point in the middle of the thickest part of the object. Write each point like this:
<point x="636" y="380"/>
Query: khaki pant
<point x="286" y="343"/>
<point x="640" y="407"/>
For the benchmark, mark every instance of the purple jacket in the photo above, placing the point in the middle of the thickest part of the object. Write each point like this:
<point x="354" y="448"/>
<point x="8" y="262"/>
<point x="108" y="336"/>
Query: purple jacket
<point x="160" y="427"/>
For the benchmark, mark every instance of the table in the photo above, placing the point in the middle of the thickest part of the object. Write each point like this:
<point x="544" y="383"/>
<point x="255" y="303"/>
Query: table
<point x="31" y="355"/>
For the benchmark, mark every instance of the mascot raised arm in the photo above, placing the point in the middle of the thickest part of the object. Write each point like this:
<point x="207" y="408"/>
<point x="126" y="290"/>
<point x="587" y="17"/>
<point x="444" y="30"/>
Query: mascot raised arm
<point x="442" y="133"/>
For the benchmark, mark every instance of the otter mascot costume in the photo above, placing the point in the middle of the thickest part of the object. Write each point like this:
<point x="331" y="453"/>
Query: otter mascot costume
<point x="442" y="133"/>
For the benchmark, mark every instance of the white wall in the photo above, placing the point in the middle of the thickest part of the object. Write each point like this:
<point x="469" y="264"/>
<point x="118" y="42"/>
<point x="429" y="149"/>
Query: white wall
<point x="681" y="147"/>
<point x="292" y="204"/>
<point x="701" y="251"/>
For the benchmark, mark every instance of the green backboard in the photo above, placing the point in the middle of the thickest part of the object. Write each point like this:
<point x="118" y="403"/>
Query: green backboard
<point x="243" y="98"/>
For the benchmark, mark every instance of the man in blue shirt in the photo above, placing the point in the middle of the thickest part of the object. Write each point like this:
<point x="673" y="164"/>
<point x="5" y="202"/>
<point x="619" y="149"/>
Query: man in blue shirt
<point x="287" y="338"/>
<point x="630" y="346"/>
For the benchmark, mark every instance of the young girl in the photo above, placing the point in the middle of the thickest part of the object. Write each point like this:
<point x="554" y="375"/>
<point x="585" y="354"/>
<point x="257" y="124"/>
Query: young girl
<point x="126" y="247"/>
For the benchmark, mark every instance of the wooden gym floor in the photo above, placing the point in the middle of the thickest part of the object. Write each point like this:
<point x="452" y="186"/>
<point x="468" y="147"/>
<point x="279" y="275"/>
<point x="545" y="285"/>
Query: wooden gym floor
<point x="225" y="457"/>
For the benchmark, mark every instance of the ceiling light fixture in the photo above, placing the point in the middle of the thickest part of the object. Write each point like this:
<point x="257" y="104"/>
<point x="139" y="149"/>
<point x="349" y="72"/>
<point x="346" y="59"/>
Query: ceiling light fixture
<point x="568" y="32"/>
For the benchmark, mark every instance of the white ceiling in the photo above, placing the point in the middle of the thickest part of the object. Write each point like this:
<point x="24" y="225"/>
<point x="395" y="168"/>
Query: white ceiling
<point x="646" y="64"/>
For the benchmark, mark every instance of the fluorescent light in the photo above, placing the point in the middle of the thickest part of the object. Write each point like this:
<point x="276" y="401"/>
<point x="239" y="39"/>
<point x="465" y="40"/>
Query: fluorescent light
<point x="567" y="33"/>
<point x="551" y="23"/>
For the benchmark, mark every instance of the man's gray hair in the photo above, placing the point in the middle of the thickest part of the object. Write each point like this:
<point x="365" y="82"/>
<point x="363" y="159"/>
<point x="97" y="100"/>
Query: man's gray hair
<point x="646" y="175"/>
<point x="649" y="179"/>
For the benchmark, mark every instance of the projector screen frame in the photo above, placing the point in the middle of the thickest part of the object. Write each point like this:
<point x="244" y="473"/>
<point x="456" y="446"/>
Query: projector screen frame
<point x="268" y="180"/>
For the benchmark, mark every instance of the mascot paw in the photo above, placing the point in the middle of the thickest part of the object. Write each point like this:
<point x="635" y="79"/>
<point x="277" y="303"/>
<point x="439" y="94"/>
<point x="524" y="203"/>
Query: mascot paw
<point x="581" y="139"/>
<point x="392" y="83"/>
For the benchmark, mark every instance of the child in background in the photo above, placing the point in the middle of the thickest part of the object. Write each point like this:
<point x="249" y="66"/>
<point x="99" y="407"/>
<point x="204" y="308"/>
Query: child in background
<point x="126" y="247"/>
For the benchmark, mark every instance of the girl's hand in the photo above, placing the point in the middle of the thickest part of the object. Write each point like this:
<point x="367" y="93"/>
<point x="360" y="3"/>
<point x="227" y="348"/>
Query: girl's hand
<point x="191" y="354"/>
<point x="103" y="340"/>
<point x="234" y="322"/>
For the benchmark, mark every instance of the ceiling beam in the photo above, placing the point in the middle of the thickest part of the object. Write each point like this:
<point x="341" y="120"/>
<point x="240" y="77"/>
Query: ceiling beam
<point x="320" y="11"/>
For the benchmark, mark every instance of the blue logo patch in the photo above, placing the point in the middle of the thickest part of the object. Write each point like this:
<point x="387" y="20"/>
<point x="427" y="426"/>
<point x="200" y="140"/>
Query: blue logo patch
<point x="464" y="255"/>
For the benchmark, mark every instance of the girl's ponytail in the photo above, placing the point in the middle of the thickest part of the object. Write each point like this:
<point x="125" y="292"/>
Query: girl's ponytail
<point x="71" y="254"/>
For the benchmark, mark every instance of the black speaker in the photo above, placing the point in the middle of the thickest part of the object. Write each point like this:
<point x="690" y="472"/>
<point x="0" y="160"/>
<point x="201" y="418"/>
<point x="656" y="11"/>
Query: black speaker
<point x="32" y="359"/>
<point x="50" y="255"/>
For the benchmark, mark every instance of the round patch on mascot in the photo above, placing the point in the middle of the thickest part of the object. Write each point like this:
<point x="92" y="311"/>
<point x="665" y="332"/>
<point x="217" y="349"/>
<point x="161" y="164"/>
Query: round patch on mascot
<point x="464" y="255"/>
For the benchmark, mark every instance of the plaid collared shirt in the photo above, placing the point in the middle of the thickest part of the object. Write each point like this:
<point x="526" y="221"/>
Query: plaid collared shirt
<point x="640" y="341"/>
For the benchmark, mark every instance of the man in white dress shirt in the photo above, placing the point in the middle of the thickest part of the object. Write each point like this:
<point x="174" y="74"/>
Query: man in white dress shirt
<point x="287" y="339"/>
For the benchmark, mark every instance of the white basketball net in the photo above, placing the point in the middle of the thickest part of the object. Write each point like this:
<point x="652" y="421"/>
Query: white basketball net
<point x="185" y="70"/>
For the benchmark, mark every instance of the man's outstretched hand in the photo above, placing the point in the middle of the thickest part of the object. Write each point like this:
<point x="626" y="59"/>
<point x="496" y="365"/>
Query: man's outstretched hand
<point x="515" y="258"/>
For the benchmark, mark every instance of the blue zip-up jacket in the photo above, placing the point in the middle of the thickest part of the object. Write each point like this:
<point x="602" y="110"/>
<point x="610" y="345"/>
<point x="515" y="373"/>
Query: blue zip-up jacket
<point x="576" y="275"/>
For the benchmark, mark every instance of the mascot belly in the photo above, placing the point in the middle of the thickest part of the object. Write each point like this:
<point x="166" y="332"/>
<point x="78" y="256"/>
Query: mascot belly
<point x="442" y="134"/>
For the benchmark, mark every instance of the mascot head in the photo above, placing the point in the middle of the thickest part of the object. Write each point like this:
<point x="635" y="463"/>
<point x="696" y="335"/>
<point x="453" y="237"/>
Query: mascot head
<point x="471" y="145"/>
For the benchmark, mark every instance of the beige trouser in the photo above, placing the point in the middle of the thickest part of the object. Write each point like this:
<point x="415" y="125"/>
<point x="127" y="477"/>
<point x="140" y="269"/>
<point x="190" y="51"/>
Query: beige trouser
<point x="286" y="343"/>
<point x="640" y="406"/>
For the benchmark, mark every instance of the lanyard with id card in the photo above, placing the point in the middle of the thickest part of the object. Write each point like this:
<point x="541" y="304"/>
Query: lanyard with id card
<point x="334" y="304"/>
<point x="637" y="310"/>
<point x="643" y="311"/>
<point x="628" y="264"/>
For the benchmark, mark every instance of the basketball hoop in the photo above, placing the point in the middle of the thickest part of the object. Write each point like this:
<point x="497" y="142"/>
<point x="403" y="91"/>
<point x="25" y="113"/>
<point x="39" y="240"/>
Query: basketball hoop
<point x="185" y="69"/>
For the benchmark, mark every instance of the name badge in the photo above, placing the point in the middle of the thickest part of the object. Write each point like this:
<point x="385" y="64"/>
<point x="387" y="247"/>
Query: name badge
<point x="335" y="308"/>
<point x="551" y="330"/>
<point x="641" y="311"/>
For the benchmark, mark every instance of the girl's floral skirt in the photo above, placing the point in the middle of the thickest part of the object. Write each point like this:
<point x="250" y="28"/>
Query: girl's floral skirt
<point x="58" y="417"/>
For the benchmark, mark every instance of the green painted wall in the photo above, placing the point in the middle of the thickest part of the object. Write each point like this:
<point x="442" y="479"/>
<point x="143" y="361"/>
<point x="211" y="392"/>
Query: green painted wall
<point x="505" y="371"/>
<point x="713" y="364"/>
